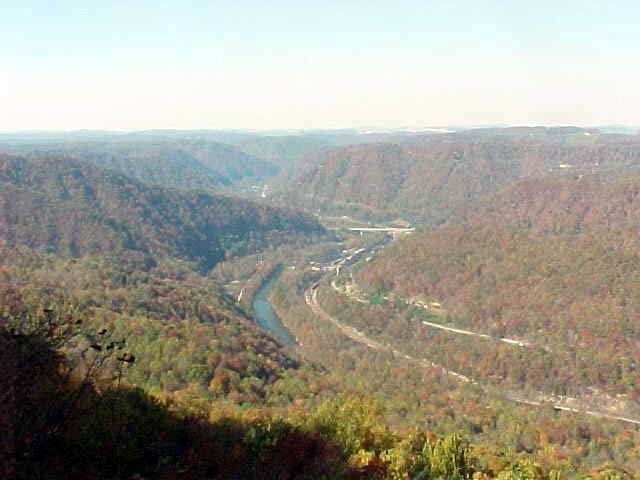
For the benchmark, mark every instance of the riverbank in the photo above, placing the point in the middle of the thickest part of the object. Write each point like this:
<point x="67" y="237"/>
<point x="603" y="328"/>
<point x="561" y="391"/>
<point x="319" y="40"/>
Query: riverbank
<point x="265" y="316"/>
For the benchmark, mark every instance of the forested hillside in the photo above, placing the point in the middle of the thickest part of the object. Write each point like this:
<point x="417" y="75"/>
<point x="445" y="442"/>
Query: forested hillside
<point x="552" y="263"/>
<point x="285" y="151"/>
<point x="73" y="208"/>
<point x="186" y="163"/>
<point x="424" y="179"/>
<point x="117" y="370"/>
<point x="190" y="339"/>
<point x="128" y="358"/>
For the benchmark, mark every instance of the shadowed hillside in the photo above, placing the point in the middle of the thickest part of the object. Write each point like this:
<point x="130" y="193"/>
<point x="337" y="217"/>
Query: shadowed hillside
<point x="189" y="163"/>
<point x="73" y="208"/>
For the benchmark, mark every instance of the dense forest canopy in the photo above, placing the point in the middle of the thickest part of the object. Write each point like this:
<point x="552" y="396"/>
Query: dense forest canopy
<point x="189" y="163"/>
<point x="131" y="344"/>
<point x="551" y="261"/>
<point x="425" y="178"/>
<point x="190" y="338"/>
<point x="74" y="208"/>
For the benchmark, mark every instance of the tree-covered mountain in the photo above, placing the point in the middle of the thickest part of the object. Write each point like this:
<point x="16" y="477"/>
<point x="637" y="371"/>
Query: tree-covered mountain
<point x="424" y="179"/>
<point x="551" y="263"/>
<point x="191" y="340"/>
<point x="74" y="208"/>
<point x="285" y="150"/>
<point x="117" y="370"/>
<point x="185" y="163"/>
<point x="229" y="161"/>
<point x="124" y="361"/>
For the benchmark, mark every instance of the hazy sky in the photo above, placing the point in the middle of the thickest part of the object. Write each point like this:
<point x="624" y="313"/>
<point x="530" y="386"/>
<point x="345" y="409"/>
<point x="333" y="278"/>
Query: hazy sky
<point x="317" y="64"/>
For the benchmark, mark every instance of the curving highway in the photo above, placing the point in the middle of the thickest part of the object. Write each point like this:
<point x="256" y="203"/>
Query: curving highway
<point x="311" y="299"/>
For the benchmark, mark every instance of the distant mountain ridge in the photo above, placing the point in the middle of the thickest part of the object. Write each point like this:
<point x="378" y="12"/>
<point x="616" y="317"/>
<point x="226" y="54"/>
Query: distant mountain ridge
<point x="180" y="163"/>
<point x="285" y="151"/>
<point x="425" y="179"/>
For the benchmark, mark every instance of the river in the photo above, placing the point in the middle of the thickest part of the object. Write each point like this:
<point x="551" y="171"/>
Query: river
<point x="267" y="319"/>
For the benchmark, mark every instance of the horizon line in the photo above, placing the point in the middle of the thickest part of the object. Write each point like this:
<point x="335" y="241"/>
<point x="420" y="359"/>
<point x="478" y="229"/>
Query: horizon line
<point x="359" y="129"/>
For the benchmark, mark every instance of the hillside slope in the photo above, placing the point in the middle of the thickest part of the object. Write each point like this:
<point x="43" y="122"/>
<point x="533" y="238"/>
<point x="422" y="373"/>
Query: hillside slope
<point x="553" y="262"/>
<point x="74" y="208"/>
<point x="190" y="339"/>
<point x="285" y="151"/>
<point x="426" y="179"/>
<point x="176" y="163"/>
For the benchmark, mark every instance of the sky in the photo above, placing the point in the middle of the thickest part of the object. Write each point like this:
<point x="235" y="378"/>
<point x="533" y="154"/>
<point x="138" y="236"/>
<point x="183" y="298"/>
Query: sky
<point x="248" y="64"/>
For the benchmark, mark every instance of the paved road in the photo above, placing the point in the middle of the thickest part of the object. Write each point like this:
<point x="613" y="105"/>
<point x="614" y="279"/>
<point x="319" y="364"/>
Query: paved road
<point x="539" y="400"/>
<point x="460" y="331"/>
<point x="510" y="341"/>
<point x="311" y="299"/>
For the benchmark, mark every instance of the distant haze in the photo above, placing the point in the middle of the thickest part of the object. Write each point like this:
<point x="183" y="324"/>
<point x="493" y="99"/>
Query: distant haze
<point x="286" y="64"/>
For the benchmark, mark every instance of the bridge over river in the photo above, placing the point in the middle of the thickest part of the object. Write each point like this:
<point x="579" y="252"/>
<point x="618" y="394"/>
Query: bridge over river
<point x="395" y="231"/>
